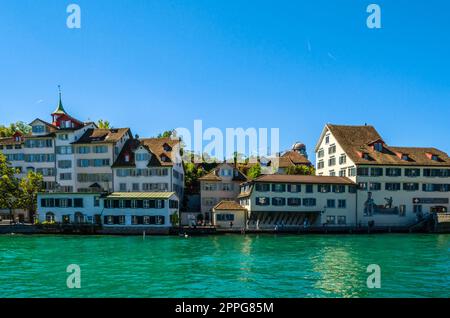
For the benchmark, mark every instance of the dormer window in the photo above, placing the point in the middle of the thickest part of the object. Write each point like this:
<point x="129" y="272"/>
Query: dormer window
<point x="164" y="158"/>
<point x="378" y="146"/>
<point x="435" y="157"/>
<point x="405" y="157"/>
<point x="127" y="158"/>
<point x="167" y="147"/>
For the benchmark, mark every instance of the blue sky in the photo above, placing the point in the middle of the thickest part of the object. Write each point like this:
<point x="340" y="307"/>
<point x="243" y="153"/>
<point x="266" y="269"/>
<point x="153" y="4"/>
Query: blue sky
<point x="295" y="65"/>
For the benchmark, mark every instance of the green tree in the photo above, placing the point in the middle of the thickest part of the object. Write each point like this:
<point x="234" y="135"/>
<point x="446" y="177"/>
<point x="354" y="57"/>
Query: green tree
<point x="254" y="171"/>
<point x="28" y="191"/>
<point x="301" y="170"/>
<point x="9" y="186"/>
<point x="165" y="134"/>
<point x="8" y="131"/>
<point x="103" y="124"/>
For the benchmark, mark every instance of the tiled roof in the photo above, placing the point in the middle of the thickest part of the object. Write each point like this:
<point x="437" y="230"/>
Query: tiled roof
<point x="213" y="175"/>
<point x="358" y="140"/>
<point x="156" y="147"/>
<point x="283" y="178"/>
<point x="140" y="195"/>
<point x="96" y="136"/>
<point x="292" y="158"/>
<point x="10" y="141"/>
<point x="228" y="205"/>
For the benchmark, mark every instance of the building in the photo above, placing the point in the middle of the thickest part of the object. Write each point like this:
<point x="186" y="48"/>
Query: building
<point x="94" y="154"/>
<point x="396" y="185"/>
<point x="150" y="165"/>
<point x="230" y="215"/>
<point x="293" y="201"/>
<point x="222" y="183"/>
<point x="118" y="210"/>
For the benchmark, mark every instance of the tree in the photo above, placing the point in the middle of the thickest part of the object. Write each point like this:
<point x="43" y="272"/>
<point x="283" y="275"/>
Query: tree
<point x="254" y="171"/>
<point x="9" y="186"/>
<point x="301" y="170"/>
<point x="28" y="190"/>
<point x="165" y="134"/>
<point x="103" y="124"/>
<point x="8" y="131"/>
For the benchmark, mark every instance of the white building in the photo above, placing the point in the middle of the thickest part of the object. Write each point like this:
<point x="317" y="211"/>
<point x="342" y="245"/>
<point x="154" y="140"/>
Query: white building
<point x="116" y="210"/>
<point x="297" y="201"/>
<point x="94" y="154"/>
<point x="396" y="185"/>
<point x="149" y="165"/>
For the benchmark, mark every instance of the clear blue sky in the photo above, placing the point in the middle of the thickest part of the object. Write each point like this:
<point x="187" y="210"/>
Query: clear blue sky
<point x="296" y="65"/>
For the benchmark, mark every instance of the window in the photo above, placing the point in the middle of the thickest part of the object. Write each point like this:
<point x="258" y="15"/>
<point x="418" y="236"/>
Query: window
<point x="342" y="159"/>
<point x="363" y="172"/>
<point x="38" y="143"/>
<point x="64" y="150"/>
<point x="374" y="186"/>
<point x="436" y="172"/>
<point x="351" y="189"/>
<point x="78" y="202"/>
<point x="135" y="186"/>
<point x="278" y="187"/>
<point x="96" y="201"/>
<point x="294" y="188"/>
<point x="173" y="204"/>
<point x="309" y="202"/>
<point x="324" y="188"/>
<point x="362" y="186"/>
<point x="84" y="149"/>
<point x="65" y="176"/>
<point x="225" y="217"/>
<point x="309" y="188"/>
<point x="342" y="204"/>
<point x="320" y="153"/>
<point x="352" y="172"/>
<point x="278" y="201"/>
<point x="378" y="146"/>
<point x="123" y="187"/>
<point x="342" y="172"/>
<point x="320" y="164"/>
<point x="427" y="187"/>
<point x="294" y="201"/>
<point x="332" y="149"/>
<point x="262" y="201"/>
<point x="410" y="186"/>
<point x="331" y="203"/>
<point x="412" y="172"/>
<point x="390" y="186"/>
<point x="341" y="220"/>
<point x="332" y="161"/>
<point x="142" y="157"/>
<point x="332" y="173"/>
<point x="338" y="188"/>
<point x="100" y="149"/>
<point x="227" y="187"/>
<point x="331" y="219"/>
<point x="209" y="187"/>
<point x="63" y="136"/>
<point x="38" y="129"/>
<point x="64" y="164"/>
<point x="226" y="172"/>
<point x="393" y="172"/>
<point x="376" y="172"/>
<point x="327" y="139"/>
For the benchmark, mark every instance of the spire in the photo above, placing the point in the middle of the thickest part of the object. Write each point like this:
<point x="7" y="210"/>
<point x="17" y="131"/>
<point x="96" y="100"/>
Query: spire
<point x="60" y="109"/>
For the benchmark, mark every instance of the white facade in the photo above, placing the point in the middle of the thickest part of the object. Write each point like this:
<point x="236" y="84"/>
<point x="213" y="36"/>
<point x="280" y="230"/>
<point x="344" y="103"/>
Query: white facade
<point x="293" y="199"/>
<point x="114" y="210"/>
<point x="388" y="194"/>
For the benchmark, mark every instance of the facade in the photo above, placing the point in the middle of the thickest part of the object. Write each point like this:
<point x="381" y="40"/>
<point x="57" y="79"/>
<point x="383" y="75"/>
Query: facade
<point x="293" y="201"/>
<point x="396" y="185"/>
<point x="115" y="210"/>
<point x="149" y="165"/>
<point x="229" y="215"/>
<point x="94" y="154"/>
<point x="222" y="183"/>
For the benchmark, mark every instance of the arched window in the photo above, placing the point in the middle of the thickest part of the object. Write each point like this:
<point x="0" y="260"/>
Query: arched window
<point x="50" y="217"/>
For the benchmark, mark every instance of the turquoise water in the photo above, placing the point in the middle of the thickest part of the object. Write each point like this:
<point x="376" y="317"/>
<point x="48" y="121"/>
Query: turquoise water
<point x="226" y="266"/>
